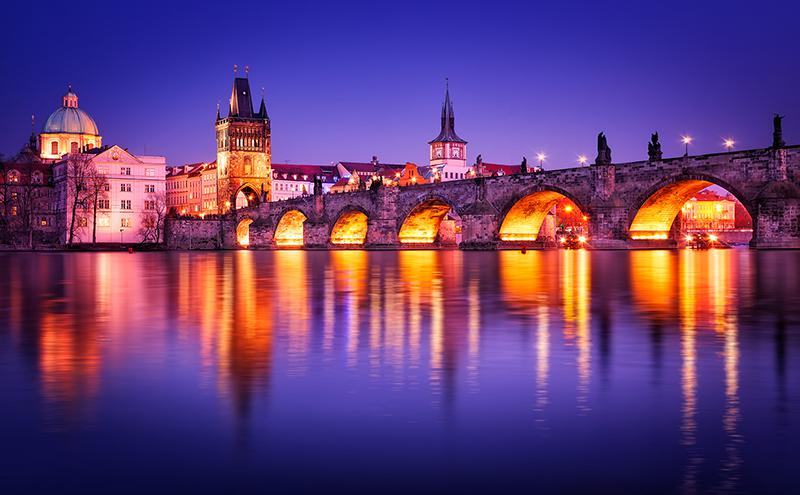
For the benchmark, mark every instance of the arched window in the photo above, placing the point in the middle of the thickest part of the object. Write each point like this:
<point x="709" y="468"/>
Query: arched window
<point x="13" y="177"/>
<point x="73" y="147"/>
<point x="36" y="177"/>
<point x="248" y="165"/>
<point x="54" y="148"/>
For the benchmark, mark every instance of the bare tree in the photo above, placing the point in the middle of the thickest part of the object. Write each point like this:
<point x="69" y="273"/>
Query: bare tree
<point x="79" y="168"/>
<point x="97" y="189"/>
<point x="153" y="218"/>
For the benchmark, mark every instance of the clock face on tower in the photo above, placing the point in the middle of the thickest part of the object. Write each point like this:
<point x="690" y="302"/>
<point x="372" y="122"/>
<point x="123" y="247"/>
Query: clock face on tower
<point x="456" y="152"/>
<point x="439" y="153"/>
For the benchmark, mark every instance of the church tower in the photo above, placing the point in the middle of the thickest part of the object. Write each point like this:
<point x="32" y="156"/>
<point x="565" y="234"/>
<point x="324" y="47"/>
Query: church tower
<point x="244" y="154"/>
<point x="448" y="155"/>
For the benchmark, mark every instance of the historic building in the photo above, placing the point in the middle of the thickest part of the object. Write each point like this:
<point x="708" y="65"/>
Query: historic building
<point x="709" y="211"/>
<point x="290" y="180"/>
<point x="448" y="152"/>
<point x="26" y="189"/>
<point x="130" y="196"/>
<point x="68" y="130"/>
<point x="243" y="151"/>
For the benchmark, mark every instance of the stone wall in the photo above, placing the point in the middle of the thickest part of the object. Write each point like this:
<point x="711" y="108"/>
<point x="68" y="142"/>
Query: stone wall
<point x="195" y="233"/>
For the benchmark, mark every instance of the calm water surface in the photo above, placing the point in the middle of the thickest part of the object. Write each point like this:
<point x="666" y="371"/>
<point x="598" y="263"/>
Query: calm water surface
<point x="651" y="371"/>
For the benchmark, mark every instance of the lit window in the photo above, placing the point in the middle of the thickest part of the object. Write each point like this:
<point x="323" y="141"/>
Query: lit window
<point x="73" y="147"/>
<point x="13" y="177"/>
<point x="43" y="222"/>
<point x="150" y="172"/>
<point x="54" y="148"/>
<point x="125" y="222"/>
<point x="83" y="222"/>
<point x="103" y="222"/>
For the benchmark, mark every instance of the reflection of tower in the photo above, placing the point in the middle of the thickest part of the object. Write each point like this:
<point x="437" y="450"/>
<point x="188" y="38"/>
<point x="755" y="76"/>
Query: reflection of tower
<point x="244" y="163"/>
<point x="448" y="151"/>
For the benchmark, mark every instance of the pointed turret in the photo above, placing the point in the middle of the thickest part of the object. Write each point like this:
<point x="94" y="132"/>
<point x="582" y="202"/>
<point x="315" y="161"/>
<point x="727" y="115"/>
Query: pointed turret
<point x="262" y="111"/>
<point x="241" y="99"/>
<point x="448" y="131"/>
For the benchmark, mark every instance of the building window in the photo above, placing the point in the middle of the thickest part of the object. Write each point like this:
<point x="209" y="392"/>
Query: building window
<point x="104" y="204"/>
<point x="54" y="148"/>
<point x="102" y="170"/>
<point x="124" y="188"/>
<point x="149" y="188"/>
<point x="149" y="205"/>
<point x="83" y="222"/>
<point x="14" y="195"/>
<point x="150" y="172"/>
<point x="125" y="171"/>
<point x="103" y="222"/>
<point x="36" y="178"/>
<point x="73" y="147"/>
<point x="13" y="177"/>
<point x="125" y="222"/>
<point x="106" y="187"/>
<point x="14" y="211"/>
<point x="125" y="204"/>
<point x="43" y="222"/>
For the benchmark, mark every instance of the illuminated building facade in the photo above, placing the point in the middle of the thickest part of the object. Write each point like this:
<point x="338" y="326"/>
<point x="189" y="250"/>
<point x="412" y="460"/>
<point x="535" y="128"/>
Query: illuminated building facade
<point x="448" y="152"/>
<point x="708" y="210"/>
<point x="243" y="151"/>
<point x="134" y="188"/>
<point x="290" y="180"/>
<point x="69" y="129"/>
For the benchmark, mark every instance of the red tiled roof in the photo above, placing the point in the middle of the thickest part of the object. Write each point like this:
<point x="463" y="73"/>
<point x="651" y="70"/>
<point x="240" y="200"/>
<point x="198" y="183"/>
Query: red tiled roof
<point x="497" y="167"/>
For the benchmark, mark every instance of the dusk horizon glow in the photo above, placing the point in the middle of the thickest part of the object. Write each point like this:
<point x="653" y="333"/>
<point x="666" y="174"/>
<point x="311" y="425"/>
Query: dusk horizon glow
<point x="348" y="82"/>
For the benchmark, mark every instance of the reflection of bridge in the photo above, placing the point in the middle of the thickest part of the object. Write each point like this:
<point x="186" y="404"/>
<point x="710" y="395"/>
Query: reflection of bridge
<point x="628" y="205"/>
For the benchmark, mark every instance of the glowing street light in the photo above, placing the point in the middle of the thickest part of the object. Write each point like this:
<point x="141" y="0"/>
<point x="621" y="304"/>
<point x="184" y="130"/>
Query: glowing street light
<point x="582" y="159"/>
<point x="728" y="143"/>
<point x="541" y="157"/>
<point x="687" y="140"/>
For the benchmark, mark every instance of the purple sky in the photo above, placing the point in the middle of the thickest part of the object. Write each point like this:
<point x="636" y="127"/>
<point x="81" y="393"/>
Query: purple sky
<point x="346" y="81"/>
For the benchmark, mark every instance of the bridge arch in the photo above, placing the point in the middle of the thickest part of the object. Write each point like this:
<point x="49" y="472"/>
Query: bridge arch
<point x="523" y="215"/>
<point x="247" y="195"/>
<point x="350" y="227"/>
<point x="654" y="212"/>
<point x="289" y="229"/>
<point x="243" y="232"/>
<point x="422" y="222"/>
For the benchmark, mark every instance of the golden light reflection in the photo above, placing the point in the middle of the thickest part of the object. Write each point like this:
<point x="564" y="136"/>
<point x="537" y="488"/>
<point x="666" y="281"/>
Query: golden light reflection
<point x="421" y="226"/>
<point x="289" y="232"/>
<point x="350" y="229"/>
<point x="687" y="306"/>
<point x="293" y="306"/>
<point x="654" y="219"/>
<point x="473" y="335"/>
<point x="419" y="270"/>
<point x="350" y="281"/>
<point x="243" y="232"/>
<point x="576" y="287"/>
<point x="542" y="359"/>
<point x="524" y="220"/>
<point x="528" y="279"/>
<point x="653" y="283"/>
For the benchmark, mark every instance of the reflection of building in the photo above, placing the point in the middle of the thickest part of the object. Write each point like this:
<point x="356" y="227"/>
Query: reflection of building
<point x="708" y="210"/>
<point x="243" y="150"/>
<point x="68" y="130"/>
<point x="134" y="185"/>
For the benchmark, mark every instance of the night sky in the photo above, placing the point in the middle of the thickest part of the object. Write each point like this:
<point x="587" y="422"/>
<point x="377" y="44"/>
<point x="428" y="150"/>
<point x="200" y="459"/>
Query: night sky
<point x="346" y="81"/>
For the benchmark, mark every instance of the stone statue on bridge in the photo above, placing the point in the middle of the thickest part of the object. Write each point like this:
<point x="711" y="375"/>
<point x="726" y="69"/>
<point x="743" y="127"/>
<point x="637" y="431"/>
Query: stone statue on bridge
<point x="777" y="132"/>
<point x="523" y="167"/>
<point x="654" y="148"/>
<point x="603" y="151"/>
<point x="317" y="185"/>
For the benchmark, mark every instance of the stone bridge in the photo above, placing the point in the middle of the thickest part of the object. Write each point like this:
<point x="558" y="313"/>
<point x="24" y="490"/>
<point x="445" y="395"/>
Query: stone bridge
<point x="628" y="205"/>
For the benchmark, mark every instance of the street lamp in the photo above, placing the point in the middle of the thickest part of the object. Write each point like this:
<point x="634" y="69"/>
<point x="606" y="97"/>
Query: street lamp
<point x="728" y="143"/>
<point x="541" y="157"/>
<point x="686" y="140"/>
<point x="582" y="160"/>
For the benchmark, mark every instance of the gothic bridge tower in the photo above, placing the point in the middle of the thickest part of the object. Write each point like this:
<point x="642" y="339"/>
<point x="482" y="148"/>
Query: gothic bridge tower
<point x="244" y="154"/>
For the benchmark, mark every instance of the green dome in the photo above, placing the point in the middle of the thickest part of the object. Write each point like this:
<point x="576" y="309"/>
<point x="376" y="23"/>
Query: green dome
<point x="70" y="119"/>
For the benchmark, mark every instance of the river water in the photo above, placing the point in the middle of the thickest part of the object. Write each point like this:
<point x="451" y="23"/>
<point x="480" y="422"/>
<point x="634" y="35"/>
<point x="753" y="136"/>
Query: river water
<point x="412" y="371"/>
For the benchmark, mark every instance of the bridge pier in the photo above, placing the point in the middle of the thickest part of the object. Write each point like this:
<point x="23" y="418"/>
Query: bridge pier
<point x="777" y="221"/>
<point x="479" y="231"/>
<point x="316" y="234"/>
<point x="608" y="226"/>
<point x="381" y="233"/>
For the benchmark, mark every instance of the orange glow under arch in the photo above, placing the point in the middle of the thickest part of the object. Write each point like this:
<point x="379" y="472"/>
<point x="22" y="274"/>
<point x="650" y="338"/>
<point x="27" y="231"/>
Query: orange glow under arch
<point x="654" y="218"/>
<point x="524" y="220"/>
<point x="289" y="232"/>
<point x="350" y="229"/>
<point x="421" y="226"/>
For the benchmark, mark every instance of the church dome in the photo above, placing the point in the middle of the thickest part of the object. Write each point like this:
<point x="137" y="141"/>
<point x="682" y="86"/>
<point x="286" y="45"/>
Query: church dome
<point x="70" y="119"/>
